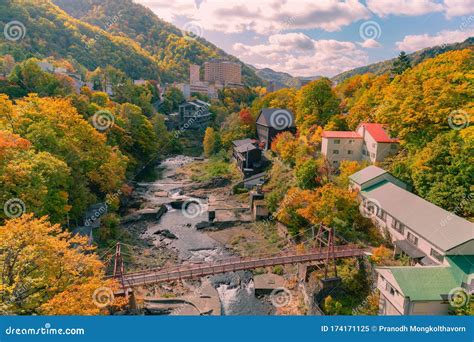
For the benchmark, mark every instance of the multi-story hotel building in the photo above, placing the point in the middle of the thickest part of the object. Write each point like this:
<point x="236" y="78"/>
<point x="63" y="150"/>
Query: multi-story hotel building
<point x="224" y="72"/>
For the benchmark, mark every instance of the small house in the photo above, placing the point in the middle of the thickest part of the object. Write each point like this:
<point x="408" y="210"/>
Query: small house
<point x="273" y="121"/>
<point x="369" y="142"/>
<point x="194" y="114"/>
<point x="247" y="155"/>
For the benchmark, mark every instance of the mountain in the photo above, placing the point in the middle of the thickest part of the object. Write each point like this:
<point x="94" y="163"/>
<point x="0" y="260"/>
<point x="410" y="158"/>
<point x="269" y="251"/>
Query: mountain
<point x="279" y="78"/>
<point x="282" y="79"/>
<point x="97" y="33"/>
<point x="415" y="58"/>
<point x="38" y="28"/>
<point x="170" y="48"/>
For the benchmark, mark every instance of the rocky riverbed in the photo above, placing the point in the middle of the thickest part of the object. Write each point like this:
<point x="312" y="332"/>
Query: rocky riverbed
<point x="164" y="215"/>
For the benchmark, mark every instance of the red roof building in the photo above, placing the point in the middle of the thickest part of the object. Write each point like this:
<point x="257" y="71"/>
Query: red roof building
<point x="378" y="132"/>
<point x="341" y="134"/>
<point x="371" y="142"/>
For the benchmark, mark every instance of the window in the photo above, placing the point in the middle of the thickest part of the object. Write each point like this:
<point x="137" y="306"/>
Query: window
<point x="437" y="255"/>
<point x="364" y="152"/>
<point x="350" y="152"/>
<point x="337" y="142"/>
<point x="393" y="146"/>
<point x="373" y="145"/>
<point x="335" y="152"/>
<point x="334" y="162"/>
<point x="351" y="141"/>
<point x="391" y="290"/>
<point x="412" y="238"/>
<point x="397" y="225"/>
<point x="382" y="215"/>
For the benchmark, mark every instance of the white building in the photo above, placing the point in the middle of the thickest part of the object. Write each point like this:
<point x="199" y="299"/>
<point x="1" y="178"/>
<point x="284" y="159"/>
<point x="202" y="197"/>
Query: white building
<point x="424" y="290"/>
<point x="370" y="142"/>
<point x="417" y="228"/>
<point x="439" y="244"/>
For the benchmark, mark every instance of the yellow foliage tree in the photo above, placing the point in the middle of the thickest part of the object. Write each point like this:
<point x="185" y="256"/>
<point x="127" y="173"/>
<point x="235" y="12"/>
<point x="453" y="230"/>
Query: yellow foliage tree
<point x="44" y="270"/>
<point x="209" y="142"/>
<point x="381" y="255"/>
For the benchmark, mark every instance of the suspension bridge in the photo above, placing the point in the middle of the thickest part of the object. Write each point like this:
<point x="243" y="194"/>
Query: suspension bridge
<point x="325" y="253"/>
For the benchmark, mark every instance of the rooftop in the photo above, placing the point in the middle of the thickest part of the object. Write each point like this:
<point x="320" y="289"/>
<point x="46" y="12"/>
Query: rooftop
<point x="341" y="134"/>
<point x="243" y="142"/>
<point x="367" y="174"/>
<point x="378" y="132"/>
<point x="440" y="227"/>
<point x="276" y="117"/>
<point x="424" y="282"/>
<point x="245" y="147"/>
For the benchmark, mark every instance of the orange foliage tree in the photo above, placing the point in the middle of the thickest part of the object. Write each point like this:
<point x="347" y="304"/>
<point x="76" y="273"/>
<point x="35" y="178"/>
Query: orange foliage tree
<point x="45" y="270"/>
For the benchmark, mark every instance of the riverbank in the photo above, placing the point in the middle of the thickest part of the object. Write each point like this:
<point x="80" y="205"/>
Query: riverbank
<point x="173" y="240"/>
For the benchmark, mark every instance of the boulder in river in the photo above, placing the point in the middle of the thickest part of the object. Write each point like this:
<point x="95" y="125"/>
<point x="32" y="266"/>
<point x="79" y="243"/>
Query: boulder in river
<point x="203" y="225"/>
<point x="145" y="214"/>
<point x="166" y="233"/>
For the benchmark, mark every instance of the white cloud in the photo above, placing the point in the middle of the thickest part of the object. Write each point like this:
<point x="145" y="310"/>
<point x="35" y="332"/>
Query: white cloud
<point x="455" y="8"/>
<point x="292" y="53"/>
<point x="370" y="44"/>
<point x="263" y="16"/>
<point x="416" y="42"/>
<point x="403" y="7"/>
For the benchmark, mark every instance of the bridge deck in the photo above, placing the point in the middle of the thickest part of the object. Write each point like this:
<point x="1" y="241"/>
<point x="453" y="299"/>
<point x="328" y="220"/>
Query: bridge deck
<point x="236" y="264"/>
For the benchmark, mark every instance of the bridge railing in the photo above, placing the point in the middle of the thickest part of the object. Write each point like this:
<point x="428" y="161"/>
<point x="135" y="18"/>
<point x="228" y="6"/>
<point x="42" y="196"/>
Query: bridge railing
<point x="237" y="264"/>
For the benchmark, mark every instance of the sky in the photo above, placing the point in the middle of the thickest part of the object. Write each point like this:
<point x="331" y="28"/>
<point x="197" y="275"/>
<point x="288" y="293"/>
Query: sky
<point x="319" y="37"/>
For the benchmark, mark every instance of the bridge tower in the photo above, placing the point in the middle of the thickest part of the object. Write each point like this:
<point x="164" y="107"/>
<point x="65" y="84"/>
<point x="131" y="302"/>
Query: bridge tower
<point x="119" y="269"/>
<point x="325" y="239"/>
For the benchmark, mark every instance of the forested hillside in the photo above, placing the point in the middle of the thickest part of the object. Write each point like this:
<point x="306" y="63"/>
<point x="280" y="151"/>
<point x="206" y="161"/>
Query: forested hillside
<point x="429" y="107"/>
<point x="118" y="33"/>
<point x="415" y="58"/>
<point x="170" y="49"/>
<point x="49" y="31"/>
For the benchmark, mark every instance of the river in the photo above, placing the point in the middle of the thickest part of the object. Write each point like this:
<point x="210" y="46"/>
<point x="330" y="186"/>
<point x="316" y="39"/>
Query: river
<point x="236" y="291"/>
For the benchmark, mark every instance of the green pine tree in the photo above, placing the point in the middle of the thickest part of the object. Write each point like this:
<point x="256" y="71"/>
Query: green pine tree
<point x="401" y="64"/>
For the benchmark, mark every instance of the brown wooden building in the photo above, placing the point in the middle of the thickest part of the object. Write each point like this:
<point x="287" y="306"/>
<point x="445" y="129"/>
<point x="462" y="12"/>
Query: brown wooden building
<point x="273" y="121"/>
